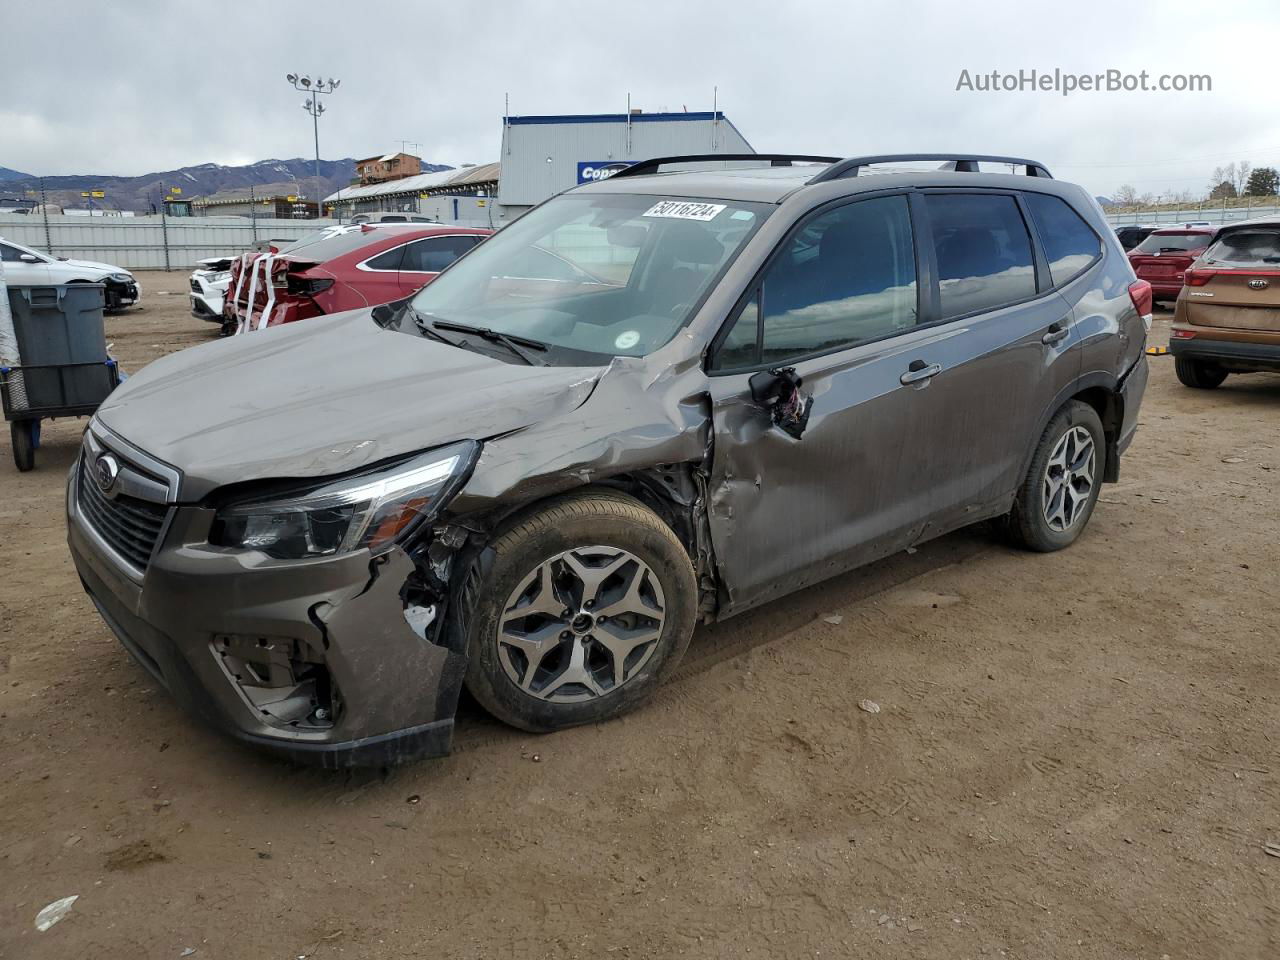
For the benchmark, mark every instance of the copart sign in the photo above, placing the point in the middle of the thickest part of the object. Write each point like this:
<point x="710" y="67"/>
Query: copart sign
<point x="590" y="170"/>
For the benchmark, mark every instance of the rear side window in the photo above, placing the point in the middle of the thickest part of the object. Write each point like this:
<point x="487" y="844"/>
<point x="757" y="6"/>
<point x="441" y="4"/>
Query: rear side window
<point x="389" y="260"/>
<point x="983" y="252"/>
<point x="1069" y="243"/>
<point x="848" y="276"/>
<point x="433" y="254"/>
<point x="1253" y="248"/>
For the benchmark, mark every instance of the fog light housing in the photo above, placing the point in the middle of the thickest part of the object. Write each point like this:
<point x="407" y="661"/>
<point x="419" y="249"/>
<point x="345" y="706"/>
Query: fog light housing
<point x="285" y="682"/>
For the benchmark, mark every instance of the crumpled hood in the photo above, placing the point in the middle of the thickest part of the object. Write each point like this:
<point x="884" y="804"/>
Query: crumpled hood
<point x="94" y="265"/>
<point x="324" y="396"/>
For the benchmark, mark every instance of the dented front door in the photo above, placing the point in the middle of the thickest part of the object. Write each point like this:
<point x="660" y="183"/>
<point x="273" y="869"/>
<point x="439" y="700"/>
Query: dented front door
<point x="787" y="512"/>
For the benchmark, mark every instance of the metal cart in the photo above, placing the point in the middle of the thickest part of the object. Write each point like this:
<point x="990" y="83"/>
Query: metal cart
<point x="65" y="370"/>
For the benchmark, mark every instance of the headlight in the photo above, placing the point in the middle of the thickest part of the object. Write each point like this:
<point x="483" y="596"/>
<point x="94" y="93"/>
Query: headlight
<point x="122" y="277"/>
<point x="370" y="510"/>
<point x="219" y="276"/>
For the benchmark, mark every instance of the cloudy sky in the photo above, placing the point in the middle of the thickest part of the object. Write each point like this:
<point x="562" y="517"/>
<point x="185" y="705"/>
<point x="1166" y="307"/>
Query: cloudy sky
<point x="142" y="85"/>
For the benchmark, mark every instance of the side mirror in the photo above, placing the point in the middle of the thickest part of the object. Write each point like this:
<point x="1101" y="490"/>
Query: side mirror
<point x="29" y="258"/>
<point x="779" y="390"/>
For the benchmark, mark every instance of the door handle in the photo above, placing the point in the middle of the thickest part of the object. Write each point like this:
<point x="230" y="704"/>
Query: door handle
<point x="1057" y="331"/>
<point x="919" y="371"/>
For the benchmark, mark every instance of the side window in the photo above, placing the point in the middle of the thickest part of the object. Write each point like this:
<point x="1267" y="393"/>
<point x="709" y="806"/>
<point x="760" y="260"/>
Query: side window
<point x="738" y="349"/>
<point x="390" y="260"/>
<point x="393" y="219"/>
<point x="1069" y="243"/>
<point x="847" y="276"/>
<point x="983" y="252"/>
<point x="7" y="253"/>
<point x="433" y="254"/>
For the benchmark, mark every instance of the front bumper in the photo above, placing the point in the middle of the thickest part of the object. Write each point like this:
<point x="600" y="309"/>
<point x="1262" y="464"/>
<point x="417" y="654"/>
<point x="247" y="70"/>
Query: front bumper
<point x="393" y="694"/>
<point x="1261" y="352"/>
<point x="120" y="294"/>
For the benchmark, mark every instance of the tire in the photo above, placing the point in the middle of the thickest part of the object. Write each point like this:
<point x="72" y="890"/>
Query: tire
<point x="1046" y="516"/>
<point x="22" y="433"/>
<point x="528" y="674"/>
<point x="1198" y="374"/>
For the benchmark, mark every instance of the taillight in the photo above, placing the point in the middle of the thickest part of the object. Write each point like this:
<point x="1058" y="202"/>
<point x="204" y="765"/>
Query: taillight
<point x="1182" y="334"/>
<point x="308" y="286"/>
<point x="1140" y="294"/>
<point x="1198" y="277"/>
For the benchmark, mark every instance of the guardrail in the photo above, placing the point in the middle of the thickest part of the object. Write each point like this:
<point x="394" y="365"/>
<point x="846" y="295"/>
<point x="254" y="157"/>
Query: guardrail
<point x="147" y="243"/>
<point x="1215" y="213"/>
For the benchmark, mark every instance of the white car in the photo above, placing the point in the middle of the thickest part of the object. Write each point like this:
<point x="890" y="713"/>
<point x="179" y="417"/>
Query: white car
<point x="26" y="267"/>
<point x="209" y="285"/>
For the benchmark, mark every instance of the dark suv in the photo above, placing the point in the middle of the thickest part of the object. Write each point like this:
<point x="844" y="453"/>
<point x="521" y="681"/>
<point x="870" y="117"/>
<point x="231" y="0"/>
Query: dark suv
<point x="657" y="399"/>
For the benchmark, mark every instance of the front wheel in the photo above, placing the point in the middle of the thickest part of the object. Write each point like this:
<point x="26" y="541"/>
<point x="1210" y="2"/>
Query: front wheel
<point x="1198" y="374"/>
<point x="587" y="606"/>
<point x="1058" y="495"/>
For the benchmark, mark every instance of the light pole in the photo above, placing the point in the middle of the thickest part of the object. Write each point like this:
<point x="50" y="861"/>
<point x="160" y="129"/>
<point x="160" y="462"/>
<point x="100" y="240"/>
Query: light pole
<point x="314" y="107"/>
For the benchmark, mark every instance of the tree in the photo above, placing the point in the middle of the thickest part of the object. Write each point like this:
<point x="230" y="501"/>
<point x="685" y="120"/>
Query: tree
<point x="1242" y="176"/>
<point x="1125" y="195"/>
<point x="1263" y="182"/>
<point x="1225" y="189"/>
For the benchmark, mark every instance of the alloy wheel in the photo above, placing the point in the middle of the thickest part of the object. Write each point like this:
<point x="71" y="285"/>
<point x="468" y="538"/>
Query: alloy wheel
<point x="1069" y="478"/>
<point x="581" y="624"/>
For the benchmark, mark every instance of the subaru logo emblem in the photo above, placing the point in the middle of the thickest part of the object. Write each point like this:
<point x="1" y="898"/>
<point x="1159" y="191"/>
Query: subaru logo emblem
<point x="1258" y="284"/>
<point x="106" y="471"/>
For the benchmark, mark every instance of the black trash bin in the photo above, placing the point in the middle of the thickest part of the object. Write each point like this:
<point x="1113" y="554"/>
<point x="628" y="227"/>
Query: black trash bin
<point x="65" y="370"/>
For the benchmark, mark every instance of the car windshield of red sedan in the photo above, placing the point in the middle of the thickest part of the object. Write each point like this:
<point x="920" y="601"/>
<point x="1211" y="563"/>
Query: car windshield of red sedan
<point x="1160" y="242"/>
<point x="606" y="274"/>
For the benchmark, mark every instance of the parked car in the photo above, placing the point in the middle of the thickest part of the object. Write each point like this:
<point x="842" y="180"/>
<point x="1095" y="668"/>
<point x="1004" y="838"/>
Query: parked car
<point x="1133" y="234"/>
<point x="359" y="266"/>
<point x="1162" y="259"/>
<point x="209" y="283"/>
<point x="1227" y="319"/>
<point x="390" y="217"/>
<point x="26" y="267"/>
<point x="534" y="481"/>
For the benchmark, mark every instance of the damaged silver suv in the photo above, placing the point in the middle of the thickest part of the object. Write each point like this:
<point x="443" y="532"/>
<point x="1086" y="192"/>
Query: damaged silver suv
<point x="661" y="398"/>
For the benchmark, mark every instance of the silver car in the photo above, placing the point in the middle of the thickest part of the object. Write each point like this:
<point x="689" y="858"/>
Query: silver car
<point x="655" y="400"/>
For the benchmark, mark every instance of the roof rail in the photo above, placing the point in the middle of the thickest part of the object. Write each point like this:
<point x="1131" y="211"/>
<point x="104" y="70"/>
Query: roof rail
<point x="652" y="165"/>
<point x="960" y="162"/>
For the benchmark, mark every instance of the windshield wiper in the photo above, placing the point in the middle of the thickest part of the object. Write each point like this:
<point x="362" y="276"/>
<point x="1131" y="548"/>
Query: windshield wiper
<point x="515" y="344"/>
<point x="426" y="328"/>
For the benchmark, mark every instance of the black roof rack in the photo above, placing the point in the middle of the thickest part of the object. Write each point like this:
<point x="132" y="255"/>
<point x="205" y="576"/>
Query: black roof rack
<point x="644" y="167"/>
<point x="960" y="162"/>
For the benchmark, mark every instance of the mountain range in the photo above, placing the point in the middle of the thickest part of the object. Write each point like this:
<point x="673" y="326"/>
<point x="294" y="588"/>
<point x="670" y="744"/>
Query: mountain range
<point x="143" y="192"/>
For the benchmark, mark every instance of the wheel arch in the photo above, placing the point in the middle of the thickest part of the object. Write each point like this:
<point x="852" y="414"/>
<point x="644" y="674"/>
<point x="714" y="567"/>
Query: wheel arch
<point x="675" y="493"/>
<point x="1101" y="392"/>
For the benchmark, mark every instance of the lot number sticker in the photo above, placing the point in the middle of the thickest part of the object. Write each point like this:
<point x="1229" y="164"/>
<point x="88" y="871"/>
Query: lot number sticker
<point x="684" y="210"/>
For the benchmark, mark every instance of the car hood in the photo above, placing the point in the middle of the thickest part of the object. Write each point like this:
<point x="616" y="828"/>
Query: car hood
<point x="324" y="396"/>
<point x="94" y="265"/>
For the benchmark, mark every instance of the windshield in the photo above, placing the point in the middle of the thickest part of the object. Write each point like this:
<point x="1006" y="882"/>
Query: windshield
<point x="1158" y="242"/>
<point x="616" y="275"/>
<point x="1247" y="248"/>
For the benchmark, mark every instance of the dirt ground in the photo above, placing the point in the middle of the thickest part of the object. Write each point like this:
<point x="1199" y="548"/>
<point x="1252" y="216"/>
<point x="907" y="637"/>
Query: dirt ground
<point x="1076" y="756"/>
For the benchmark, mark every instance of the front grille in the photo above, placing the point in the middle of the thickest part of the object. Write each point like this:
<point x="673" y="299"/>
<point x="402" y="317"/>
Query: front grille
<point x="129" y="525"/>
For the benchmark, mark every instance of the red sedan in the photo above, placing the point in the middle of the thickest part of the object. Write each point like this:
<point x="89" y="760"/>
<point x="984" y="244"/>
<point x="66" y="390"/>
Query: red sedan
<point x="1163" y="257"/>
<point x="340" y="268"/>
